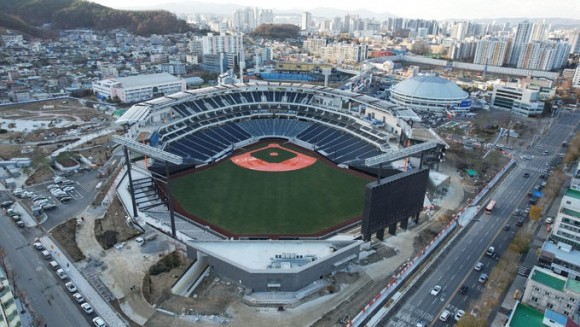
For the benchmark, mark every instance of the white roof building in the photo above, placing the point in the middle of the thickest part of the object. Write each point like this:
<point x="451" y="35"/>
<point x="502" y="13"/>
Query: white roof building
<point x="138" y="88"/>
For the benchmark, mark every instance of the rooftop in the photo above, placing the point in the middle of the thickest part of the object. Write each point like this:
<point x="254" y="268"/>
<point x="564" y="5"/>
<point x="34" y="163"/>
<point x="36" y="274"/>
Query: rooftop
<point x="573" y="193"/>
<point x="525" y="316"/>
<point x="548" y="279"/>
<point x="278" y="255"/>
<point x="572" y="257"/>
<point x="148" y="79"/>
<point x="430" y="87"/>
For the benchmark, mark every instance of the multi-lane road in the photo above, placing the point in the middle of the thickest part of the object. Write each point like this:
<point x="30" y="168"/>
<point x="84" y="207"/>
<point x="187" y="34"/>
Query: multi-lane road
<point x="455" y="267"/>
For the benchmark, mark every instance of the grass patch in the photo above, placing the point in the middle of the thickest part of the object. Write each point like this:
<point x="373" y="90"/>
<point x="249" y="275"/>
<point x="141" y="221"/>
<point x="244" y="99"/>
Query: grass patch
<point x="65" y="235"/>
<point x="245" y="201"/>
<point x="273" y="155"/>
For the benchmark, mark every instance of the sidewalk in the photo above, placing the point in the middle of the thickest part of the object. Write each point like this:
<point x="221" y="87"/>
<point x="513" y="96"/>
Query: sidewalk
<point x="122" y="269"/>
<point x="89" y="293"/>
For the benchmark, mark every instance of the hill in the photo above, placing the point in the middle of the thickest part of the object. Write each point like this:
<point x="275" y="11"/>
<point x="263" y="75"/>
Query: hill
<point x="28" y="16"/>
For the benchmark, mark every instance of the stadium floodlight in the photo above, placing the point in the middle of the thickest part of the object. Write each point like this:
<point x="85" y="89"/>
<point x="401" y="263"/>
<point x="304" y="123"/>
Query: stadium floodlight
<point x="392" y="155"/>
<point x="148" y="150"/>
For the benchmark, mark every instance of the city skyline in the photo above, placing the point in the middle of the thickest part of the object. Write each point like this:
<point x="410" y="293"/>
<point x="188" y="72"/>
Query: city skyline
<point x="458" y="9"/>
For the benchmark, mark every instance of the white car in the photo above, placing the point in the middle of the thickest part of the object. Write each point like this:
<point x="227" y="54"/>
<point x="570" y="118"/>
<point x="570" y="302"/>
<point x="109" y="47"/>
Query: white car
<point x="71" y="287"/>
<point x="478" y="266"/>
<point x="87" y="308"/>
<point x="459" y="314"/>
<point x="61" y="274"/>
<point x="99" y="322"/>
<point x="435" y="290"/>
<point x="78" y="297"/>
<point x="444" y="315"/>
<point x="549" y="220"/>
<point x="38" y="246"/>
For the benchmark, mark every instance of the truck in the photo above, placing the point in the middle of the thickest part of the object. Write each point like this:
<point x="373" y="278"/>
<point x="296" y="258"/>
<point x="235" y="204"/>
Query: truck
<point x="146" y="238"/>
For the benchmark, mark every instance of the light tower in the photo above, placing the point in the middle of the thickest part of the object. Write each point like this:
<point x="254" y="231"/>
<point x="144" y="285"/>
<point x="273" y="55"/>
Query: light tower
<point x="326" y="72"/>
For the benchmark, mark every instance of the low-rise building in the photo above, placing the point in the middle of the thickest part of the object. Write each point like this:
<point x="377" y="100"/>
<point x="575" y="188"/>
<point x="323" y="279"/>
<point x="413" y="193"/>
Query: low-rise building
<point x="138" y="88"/>
<point x="523" y="102"/>
<point x="547" y="290"/>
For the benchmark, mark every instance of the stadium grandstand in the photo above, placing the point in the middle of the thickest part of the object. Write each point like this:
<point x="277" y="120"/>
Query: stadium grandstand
<point x="204" y="125"/>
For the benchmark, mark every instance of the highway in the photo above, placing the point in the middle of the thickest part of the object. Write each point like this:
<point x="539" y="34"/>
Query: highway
<point x="456" y="265"/>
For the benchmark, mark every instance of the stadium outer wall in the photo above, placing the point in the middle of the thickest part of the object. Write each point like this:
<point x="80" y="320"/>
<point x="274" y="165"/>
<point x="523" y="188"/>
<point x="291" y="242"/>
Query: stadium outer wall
<point x="204" y="224"/>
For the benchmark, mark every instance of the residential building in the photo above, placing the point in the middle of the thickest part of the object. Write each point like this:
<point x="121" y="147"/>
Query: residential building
<point x="342" y="53"/>
<point x="492" y="52"/>
<point x="543" y="55"/>
<point x="522" y="37"/>
<point x="306" y="21"/>
<point x="547" y="290"/>
<point x="216" y="44"/>
<point x="561" y="252"/>
<point x="567" y="224"/>
<point x="314" y="46"/>
<point x="138" y="88"/>
<point x="244" y="20"/>
<point x="576" y="78"/>
<point x="523" y="102"/>
<point x="574" y="41"/>
<point x="575" y="183"/>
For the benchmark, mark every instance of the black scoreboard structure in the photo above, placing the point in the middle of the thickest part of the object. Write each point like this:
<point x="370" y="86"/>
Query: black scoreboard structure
<point x="393" y="200"/>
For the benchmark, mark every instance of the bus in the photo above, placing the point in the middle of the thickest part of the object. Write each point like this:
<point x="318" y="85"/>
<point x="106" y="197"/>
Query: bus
<point x="489" y="208"/>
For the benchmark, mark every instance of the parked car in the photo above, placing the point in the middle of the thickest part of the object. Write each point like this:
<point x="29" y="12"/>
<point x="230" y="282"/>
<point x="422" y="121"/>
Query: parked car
<point x="71" y="287"/>
<point x="549" y="220"/>
<point x="20" y="223"/>
<point x="61" y="274"/>
<point x="459" y="314"/>
<point x="87" y="308"/>
<point x="99" y="322"/>
<point x="520" y="222"/>
<point x="6" y="204"/>
<point x="37" y="245"/>
<point x="78" y="297"/>
<point x="478" y="266"/>
<point x="463" y="289"/>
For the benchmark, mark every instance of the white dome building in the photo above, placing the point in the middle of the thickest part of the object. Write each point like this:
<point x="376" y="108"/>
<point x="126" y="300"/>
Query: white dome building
<point x="430" y="93"/>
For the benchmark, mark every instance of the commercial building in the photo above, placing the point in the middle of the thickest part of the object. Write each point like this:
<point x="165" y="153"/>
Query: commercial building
<point x="430" y="93"/>
<point x="306" y="21"/>
<point x="523" y="102"/>
<point x="547" y="290"/>
<point x="138" y="88"/>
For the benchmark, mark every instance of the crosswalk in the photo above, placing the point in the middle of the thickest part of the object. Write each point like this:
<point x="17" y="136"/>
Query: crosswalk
<point x="524" y="271"/>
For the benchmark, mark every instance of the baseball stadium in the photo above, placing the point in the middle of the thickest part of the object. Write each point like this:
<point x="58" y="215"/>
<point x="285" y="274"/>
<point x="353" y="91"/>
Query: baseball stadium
<point x="278" y="162"/>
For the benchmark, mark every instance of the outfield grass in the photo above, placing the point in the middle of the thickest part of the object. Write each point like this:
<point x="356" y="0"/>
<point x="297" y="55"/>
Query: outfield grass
<point x="245" y="201"/>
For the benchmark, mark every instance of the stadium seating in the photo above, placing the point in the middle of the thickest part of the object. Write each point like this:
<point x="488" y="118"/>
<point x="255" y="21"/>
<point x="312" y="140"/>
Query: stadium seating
<point x="208" y="126"/>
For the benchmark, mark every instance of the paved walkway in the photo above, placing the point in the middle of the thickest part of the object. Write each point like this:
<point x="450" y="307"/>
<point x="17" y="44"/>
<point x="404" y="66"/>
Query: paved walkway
<point x="103" y="308"/>
<point x="121" y="270"/>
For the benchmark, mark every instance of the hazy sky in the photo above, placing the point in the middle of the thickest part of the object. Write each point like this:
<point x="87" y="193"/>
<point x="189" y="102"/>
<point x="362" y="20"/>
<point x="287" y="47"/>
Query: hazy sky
<point x="428" y="9"/>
